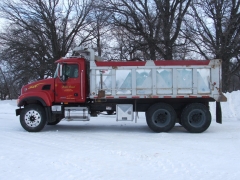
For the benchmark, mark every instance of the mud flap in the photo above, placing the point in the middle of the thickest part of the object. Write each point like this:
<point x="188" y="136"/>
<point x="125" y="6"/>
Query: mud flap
<point x="48" y="114"/>
<point x="218" y="113"/>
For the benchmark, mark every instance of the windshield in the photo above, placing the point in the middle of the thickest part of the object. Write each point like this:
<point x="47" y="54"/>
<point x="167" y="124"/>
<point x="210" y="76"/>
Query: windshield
<point x="56" y="72"/>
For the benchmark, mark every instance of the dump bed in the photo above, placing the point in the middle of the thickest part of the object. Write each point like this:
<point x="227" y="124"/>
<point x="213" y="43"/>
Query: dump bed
<point x="156" y="79"/>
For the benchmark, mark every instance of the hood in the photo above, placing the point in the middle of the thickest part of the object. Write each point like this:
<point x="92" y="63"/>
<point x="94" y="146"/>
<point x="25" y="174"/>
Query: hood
<point x="45" y="84"/>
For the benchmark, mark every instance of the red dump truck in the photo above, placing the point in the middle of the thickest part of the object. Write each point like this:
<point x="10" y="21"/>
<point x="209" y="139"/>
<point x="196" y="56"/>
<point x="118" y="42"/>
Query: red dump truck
<point x="168" y="91"/>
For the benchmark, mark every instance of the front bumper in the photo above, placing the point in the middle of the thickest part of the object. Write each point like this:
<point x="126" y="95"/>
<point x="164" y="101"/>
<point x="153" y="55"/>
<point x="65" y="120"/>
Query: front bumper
<point x="18" y="111"/>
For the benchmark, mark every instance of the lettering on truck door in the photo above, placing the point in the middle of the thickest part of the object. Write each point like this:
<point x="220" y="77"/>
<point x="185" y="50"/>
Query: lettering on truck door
<point x="69" y="91"/>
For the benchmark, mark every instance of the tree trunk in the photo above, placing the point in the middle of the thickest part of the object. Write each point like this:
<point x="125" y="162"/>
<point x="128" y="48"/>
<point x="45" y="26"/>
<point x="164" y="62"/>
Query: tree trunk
<point x="152" y="53"/>
<point x="168" y="53"/>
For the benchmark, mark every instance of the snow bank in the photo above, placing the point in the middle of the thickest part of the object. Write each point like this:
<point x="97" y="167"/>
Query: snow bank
<point x="230" y="109"/>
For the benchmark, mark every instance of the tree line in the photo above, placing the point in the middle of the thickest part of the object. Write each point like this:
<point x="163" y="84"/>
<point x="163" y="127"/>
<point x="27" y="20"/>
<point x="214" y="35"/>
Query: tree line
<point x="36" y="33"/>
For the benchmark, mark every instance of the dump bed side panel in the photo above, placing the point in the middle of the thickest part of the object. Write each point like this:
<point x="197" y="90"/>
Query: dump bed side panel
<point x="156" y="79"/>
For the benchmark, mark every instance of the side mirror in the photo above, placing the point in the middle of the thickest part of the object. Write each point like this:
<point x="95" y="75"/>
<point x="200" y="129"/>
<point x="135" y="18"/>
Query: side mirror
<point x="62" y="74"/>
<point x="64" y="78"/>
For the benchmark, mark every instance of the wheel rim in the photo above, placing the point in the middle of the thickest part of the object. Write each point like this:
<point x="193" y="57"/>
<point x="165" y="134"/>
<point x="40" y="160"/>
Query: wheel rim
<point x="161" y="118"/>
<point x="196" y="118"/>
<point x="32" y="118"/>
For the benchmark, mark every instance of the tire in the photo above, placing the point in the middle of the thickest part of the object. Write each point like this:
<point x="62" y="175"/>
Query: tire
<point x="161" y="117"/>
<point x="33" y="118"/>
<point x="57" y="118"/>
<point x="196" y="118"/>
<point x="110" y="112"/>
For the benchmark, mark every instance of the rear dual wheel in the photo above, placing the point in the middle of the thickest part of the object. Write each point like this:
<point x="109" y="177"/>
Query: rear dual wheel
<point x="161" y="117"/>
<point x="196" y="118"/>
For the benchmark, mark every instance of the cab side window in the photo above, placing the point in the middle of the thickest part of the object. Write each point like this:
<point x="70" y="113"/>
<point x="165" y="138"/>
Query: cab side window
<point x="72" y="70"/>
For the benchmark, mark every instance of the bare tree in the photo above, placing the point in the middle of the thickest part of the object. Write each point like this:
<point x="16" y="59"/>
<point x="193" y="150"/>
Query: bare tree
<point x="235" y="78"/>
<point x="40" y="32"/>
<point x="100" y="27"/>
<point x="156" y="22"/>
<point x="215" y="32"/>
<point x="126" y="45"/>
<point x="4" y="86"/>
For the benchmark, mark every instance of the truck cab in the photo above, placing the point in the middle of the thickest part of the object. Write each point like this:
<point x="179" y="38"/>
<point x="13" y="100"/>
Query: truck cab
<point x="70" y="81"/>
<point x="46" y="98"/>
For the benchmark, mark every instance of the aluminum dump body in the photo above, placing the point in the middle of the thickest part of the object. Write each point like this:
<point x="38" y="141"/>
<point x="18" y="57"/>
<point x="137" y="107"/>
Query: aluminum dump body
<point x="156" y="79"/>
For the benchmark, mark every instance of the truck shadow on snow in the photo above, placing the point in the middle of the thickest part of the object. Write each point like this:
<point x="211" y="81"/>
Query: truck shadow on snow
<point x="120" y="128"/>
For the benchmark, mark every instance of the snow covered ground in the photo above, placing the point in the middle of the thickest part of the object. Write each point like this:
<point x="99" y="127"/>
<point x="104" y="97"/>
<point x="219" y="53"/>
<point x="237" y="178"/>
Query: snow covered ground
<point x="105" y="149"/>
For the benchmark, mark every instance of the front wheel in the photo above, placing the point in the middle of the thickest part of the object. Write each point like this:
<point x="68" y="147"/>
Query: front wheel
<point x="33" y="118"/>
<point x="196" y="118"/>
<point x="161" y="117"/>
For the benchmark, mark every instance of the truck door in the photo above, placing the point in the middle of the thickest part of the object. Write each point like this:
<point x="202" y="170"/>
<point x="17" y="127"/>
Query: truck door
<point x="68" y="86"/>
